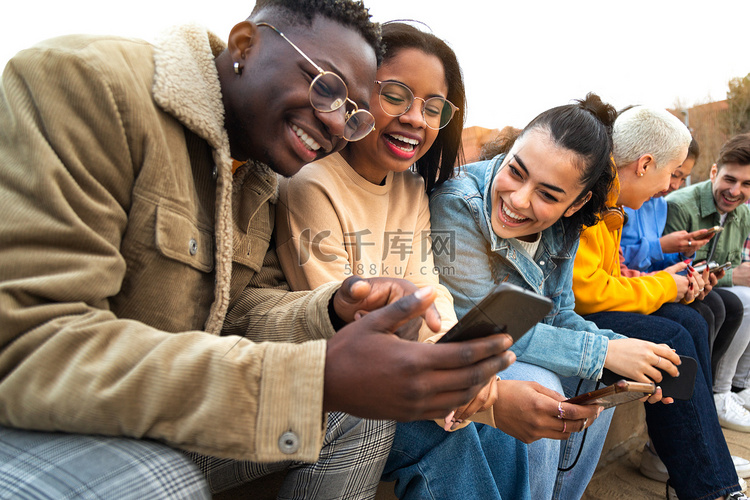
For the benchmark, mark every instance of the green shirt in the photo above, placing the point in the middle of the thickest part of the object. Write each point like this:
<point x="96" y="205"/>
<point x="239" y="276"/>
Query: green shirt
<point x="693" y="208"/>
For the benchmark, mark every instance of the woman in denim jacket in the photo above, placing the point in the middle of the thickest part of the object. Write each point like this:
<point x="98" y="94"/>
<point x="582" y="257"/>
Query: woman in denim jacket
<point x="551" y="183"/>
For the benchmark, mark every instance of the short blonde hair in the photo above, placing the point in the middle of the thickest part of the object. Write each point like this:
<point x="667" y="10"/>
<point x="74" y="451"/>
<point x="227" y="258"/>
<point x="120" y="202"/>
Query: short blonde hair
<point x="643" y="130"/>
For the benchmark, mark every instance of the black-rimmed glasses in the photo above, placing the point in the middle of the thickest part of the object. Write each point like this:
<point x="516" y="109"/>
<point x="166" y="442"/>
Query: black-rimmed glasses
<point x="397" y="99"/>
<point x="328" y="92"/>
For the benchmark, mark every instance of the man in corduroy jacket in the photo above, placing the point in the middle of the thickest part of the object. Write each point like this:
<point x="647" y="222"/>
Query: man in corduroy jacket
<point x="137" y="290"/>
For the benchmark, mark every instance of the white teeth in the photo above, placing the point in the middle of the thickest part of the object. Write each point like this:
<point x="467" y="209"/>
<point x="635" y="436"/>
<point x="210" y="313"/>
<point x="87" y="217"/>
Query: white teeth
<point x="512" y="215"/>
<point x="309" y="141"/>
<point x="413" y="142"/>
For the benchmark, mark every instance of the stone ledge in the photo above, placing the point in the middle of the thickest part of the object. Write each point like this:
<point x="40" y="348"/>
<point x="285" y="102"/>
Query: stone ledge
<point x="627" y="432"/>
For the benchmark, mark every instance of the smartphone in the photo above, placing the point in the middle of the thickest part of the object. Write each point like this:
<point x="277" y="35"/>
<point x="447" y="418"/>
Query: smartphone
<point x="506" y="309"/>
<point x="700" y="268"/>
<point x="724" y="266"/>
<point x="709" y="232"/>
<point x="680" y="387"/>
<point x="618" y="393"/>
<point x="713" y="267"/>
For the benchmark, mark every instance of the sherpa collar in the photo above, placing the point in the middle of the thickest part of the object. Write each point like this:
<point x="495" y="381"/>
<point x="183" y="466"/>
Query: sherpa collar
<point x="186" y="82"/>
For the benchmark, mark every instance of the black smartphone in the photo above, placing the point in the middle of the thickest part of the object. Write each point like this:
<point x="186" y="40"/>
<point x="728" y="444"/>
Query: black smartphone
<point x="618" y="393"/>
<point x="506" y="309"/>
<point x="671" y="387"/>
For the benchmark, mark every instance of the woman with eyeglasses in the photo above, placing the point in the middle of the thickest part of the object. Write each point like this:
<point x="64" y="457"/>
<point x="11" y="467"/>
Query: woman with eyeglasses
<point x="365" y="211"/>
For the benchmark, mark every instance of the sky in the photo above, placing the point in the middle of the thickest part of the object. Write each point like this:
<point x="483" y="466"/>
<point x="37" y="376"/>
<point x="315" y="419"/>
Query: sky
<point x="518" y="57"/>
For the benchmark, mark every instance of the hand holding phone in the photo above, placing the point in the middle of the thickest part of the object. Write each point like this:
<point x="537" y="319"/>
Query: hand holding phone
<point x="704" y="234"/>
<point x="713" y="268"/>
<point x="680" y="387"/>
<point x="723" y="267"/>
<point x="506" y="309"/>
<point x="622" y="391"/>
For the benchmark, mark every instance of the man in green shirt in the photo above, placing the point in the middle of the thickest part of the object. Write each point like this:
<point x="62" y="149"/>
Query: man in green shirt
<point x="720" y="201"/>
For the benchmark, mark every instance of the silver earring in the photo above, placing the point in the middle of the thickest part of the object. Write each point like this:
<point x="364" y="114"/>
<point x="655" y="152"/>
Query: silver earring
<point x="237" y="69"/>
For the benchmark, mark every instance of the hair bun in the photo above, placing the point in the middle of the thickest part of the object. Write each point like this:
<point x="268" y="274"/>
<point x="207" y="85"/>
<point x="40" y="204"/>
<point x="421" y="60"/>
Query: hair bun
<point x="604" y="112"/>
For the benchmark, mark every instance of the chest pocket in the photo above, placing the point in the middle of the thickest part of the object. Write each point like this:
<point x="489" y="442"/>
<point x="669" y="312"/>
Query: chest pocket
<point x="179" y="238"/>
<point x="253" y="227"/>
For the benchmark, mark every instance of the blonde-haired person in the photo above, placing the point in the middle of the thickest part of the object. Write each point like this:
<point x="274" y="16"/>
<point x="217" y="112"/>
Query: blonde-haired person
<point x="650" y="144"/>
<point x="645" y="249"/>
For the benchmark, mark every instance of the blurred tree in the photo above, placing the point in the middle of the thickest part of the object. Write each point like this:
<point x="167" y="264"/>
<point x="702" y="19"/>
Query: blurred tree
<point x="737" y="118"/>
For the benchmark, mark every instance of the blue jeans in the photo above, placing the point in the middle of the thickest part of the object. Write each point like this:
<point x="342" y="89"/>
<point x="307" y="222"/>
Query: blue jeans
<point x="686" y="434"/>
<point x="477" y="461"/>
<point x="547" y="455"/>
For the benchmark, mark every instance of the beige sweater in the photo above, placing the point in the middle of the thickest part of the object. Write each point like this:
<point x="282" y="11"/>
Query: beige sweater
<point x="332" y="223"/>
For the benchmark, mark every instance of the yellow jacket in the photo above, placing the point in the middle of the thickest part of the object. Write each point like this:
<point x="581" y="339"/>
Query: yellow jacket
<point x="597" y="283"/>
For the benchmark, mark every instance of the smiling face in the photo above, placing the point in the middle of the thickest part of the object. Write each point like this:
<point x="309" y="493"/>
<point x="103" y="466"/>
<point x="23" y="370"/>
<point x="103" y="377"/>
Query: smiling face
<point x="642" y="180"/>
<point x="398" y="141"/>
<point x="730" y="186"/>
<point x="268" y="113"/>
<point x="537" y="184"/>
<point x="680" y="174"/>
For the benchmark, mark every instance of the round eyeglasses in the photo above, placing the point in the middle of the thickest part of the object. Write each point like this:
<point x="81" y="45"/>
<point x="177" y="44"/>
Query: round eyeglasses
<point x="328" y="93"/>
<point x="397" y="99"/>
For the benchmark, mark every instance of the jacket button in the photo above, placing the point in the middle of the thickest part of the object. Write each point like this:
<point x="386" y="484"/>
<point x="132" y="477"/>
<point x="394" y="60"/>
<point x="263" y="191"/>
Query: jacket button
<point x="541" y="262"/>
<point x="193" y="246"/>
<point x="288" y="443"/>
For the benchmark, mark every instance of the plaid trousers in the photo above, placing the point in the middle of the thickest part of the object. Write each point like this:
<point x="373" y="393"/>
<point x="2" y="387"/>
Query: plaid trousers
<point x="50" y="465"/>
<point x="349" y="466"/>
<point x="47" y="465"/>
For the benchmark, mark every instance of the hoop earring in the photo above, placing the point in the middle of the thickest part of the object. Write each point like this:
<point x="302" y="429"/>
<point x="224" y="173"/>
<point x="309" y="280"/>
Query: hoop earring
<point x="237" y="68"/>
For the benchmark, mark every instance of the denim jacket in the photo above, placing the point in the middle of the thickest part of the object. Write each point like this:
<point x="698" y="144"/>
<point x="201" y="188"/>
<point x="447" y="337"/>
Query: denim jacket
<point x="472" y="260"/>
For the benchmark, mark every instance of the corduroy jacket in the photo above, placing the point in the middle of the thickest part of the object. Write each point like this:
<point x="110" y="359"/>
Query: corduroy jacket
<point x="129" y="254"/>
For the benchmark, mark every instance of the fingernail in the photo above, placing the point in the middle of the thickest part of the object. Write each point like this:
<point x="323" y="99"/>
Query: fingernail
<point x="601" y="408"/>
<point x="423" y="292"/>
<point x="692" y="269"/>
<point x="449" y="421"/>
<point x="686" y="261"/>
